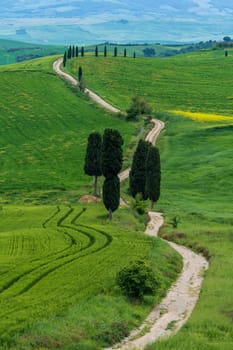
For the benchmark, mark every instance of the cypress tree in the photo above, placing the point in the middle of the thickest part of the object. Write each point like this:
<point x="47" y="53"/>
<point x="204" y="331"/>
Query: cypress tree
<point x="125" y="53"/>
<point x="112" y="155"/>
<point x="80" y="74"/>
<point x="137" y="175"/>
<point x="64" y="59"/>
<point x="115" y="51"/>
<point x="73" y="51"/>
<point x="76" y="51"/>
<point x="82" y="51"/>
<point x="69" y="52"/>
<point x="105" y="51"/>
<point x="134" y="54"/>
<point x="92" y="165"/>
<point x="111" y="194"/>
<point x="96" y="51"/>
<point x="153" y="175"/>
<point x="112" y="158"/>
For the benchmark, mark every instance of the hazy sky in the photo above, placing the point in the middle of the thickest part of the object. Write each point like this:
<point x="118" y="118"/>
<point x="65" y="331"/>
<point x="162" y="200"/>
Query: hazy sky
<point x="207" y="17"/>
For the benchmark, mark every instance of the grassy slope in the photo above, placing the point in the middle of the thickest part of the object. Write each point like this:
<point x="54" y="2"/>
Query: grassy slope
<point x="44" y="127"/>
<point x="55" y="280"/>
<point x="16" y="51"/>
<point x="184" y="82"/>
<point x="197" y="171"/>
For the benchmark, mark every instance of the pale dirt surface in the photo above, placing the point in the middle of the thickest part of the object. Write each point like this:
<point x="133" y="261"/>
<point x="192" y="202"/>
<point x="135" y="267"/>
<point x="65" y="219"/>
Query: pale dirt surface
<point x="175" y="309"/>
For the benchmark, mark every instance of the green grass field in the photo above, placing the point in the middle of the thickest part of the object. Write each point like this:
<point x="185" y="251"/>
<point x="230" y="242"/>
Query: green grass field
<point x="196" y="170"/>
<point x="55" y="280"/>
<point x="44" y="128"/>
<point x="192" y="82"/>
<point x="46" y="301"/>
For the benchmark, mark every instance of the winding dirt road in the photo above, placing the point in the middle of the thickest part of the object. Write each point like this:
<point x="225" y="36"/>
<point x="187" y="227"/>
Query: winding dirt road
<point x="175" y="309"/>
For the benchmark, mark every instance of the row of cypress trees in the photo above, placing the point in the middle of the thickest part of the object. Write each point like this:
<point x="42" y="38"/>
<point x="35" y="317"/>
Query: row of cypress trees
<point x="75" y="51"/>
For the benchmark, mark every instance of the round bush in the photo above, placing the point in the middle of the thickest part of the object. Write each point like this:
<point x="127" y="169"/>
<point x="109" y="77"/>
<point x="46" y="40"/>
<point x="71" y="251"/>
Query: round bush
<point x="137" y="279"/>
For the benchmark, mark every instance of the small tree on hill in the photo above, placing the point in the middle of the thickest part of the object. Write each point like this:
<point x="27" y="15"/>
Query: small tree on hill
<point x="112" y="157"/>
<point x="76" y="51"/>
<point x="92" y="165"/>
<point x="96" y="51"/>
<point x="153" y="175"/>
<point x="138" y="279"/>
<point x="82" y="51"/>
<point x="80" y="74"/>
<point x="137" y="175"/>
<point x="105" y="51"/>
<point x="64" y="59"/>
<point x="111" y="194"/>
<point x="115" y="51"/>
<point x="138" y="107"/>
<point x="125" y="53"/>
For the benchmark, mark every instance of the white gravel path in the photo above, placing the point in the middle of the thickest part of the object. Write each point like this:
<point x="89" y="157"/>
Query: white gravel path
<point x="175" y="309"/>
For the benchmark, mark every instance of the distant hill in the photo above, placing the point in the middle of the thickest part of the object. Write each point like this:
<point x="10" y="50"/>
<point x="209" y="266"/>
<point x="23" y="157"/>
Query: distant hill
<point x="15" y="51"/>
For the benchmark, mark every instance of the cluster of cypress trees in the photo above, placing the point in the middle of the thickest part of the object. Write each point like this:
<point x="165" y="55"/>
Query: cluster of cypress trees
<point x="73" y="51"/>
<point x="145" y="174"/>
<point x="105" y="157"/>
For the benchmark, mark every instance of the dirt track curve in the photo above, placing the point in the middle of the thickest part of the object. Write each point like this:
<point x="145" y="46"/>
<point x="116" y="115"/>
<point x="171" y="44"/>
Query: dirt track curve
<point x="177" y="306"/>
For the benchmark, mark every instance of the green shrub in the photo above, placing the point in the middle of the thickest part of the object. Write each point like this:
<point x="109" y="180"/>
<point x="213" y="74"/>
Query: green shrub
<point x="138" y="279"/>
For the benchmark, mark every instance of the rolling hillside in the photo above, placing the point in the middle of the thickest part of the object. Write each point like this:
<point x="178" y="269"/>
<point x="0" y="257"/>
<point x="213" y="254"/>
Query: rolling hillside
<point x="196" y="152"/>
<point x="55" y="277"/>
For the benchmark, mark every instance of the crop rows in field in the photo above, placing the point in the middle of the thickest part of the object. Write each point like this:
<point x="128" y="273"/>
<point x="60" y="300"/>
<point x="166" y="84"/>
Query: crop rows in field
<point x="81" y="240"/>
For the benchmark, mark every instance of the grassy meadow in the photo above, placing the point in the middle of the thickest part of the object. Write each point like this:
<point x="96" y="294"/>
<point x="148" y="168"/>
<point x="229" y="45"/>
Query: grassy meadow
<point x="44" y="128"/>
<point x="197" y="82"/>
<point x="56" y="287"/>
<point x="197" y="169"/>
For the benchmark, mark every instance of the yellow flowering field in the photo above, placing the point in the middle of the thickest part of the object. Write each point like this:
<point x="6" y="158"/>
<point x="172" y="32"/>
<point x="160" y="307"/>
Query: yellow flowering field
<point x="204" y="117"/>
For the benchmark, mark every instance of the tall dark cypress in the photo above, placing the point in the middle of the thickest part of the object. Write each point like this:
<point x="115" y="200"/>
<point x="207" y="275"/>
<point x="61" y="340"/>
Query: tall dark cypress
<point x="137" y="175"/>
<point x="96" y="51"/>
<point x="112" y="158"/>
<point x="82" y="51"/>
<point x="105" y="51"/>
<point x="153" y="175"/>
<point x="92" y="166"/>
<point x="76" y="51"/>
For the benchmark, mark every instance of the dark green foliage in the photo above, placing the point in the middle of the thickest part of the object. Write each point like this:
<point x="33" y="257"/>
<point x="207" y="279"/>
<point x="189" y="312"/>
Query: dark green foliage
<point x="64" y="59"/>
<point x="92" y="165"/>
<point x="153" y="175"/>
<point x="76" y="51"/>
<point x="80" y="74"/>
<point x="125" y="53"/>
<point x="96" y="51"/>
<point x="82" y="51"/>
<point x="69" y="55"/>
<point x="138" y="107"/>
<point x="112" y="155"/>
<point x="137" y="279"/>
<point x="137" y="175"/>
<point x="115" y="51"/>
<point x="111" y="194"/>
<point x="134" y="54"/>
<point x="73" y="51"/>
<point x="105" y="51"/>
<point x="149" y="52"/>
<point x="139" y="204"/>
